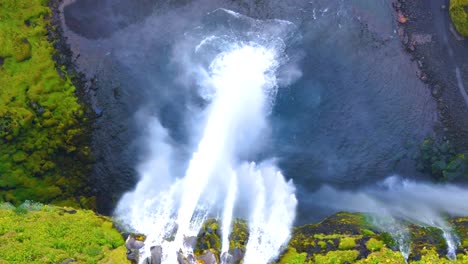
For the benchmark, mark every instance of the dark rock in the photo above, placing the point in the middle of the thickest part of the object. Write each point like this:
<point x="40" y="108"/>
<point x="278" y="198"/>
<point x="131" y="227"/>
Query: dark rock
<point x="68" y="261"/>
<point x="98" y="111"/>
<point x="423" y="77"/>
<point x="2" y="60"/>
<point x="436" y="91"/>
<point x="133" y="255"/>
<point x="69" y="211"/>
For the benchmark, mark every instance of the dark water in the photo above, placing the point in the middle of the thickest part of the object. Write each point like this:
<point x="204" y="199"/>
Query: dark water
<point x="355" y="116"/>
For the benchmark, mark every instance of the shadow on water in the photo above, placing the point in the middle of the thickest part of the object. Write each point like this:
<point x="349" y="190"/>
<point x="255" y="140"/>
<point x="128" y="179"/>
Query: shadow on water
<point x="355" y="116"/>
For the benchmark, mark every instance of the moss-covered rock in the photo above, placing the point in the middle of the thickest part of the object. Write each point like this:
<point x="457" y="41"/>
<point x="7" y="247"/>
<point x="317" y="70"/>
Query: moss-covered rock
<point x="44" y="154"/>
<point x="459" y="15"/>
<point x="36" y="233"/>
<point x="350" y="238"/>
<point x="442" y="161"/>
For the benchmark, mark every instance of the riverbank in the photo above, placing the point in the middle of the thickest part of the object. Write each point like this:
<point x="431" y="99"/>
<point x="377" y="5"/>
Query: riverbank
<point x="430" y="38"/>
<point x="44" y="127"/>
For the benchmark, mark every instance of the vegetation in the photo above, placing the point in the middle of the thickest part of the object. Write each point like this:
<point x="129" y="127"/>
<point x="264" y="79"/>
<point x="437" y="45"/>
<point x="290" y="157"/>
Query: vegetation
<point x="459" y="15"/>
<point x="442" y="161"/>
<point x="354" y="240"/>
<point x="42" y="151"/>
<point x="36" y="233"/>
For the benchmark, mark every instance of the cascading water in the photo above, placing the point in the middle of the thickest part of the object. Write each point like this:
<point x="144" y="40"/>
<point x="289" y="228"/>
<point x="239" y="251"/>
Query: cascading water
<point x="236" y="67"/>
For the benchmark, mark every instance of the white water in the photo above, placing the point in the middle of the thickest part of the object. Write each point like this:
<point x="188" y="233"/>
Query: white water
<point x="239" y="85"/>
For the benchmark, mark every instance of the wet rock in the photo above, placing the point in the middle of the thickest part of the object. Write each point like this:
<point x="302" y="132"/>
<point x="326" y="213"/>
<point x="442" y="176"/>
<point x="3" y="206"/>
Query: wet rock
<point x="133" y="244"/>
<point x="423" y="77"/>
<point x="99" y="111"/>
<point x="227" y="258"/>
<point x="436" y="91"/>
<point x="237" y="254"/>
<point x="208" y="257"/>
<point x="156" y="256"/>
<point x="401" y="18"/>
<point x="190" y="242"/>
<point x="421" y="38"/>
<point x="182" y="259"/>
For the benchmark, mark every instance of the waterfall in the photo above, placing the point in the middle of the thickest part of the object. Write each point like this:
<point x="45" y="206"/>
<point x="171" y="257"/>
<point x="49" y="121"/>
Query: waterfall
<point x="235" y="69"/>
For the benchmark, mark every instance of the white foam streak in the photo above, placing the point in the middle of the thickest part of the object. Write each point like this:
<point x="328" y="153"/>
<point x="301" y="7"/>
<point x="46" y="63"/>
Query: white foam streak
<point x="269" y="225"/>
<point x="228" y="211"/>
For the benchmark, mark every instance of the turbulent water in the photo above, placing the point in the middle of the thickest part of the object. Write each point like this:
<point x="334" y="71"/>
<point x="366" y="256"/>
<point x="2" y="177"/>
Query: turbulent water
<point x="235" y="77"/>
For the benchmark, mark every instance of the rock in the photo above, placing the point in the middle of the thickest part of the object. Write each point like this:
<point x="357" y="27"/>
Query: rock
<point x="2" y="60"/>
<point x="156" y="256"/>
<point x="134" y="241"/>
<point x="401" y="18"/>
<point x="208" y="257"/>
<point x="190" y="242"/>
<point x="227" y="258"/>
<point x="435" y="91"/>
<point x="237" y="255"/>
<point x="181" y="259"/>
<point x="423" y="77"/>
<point x="68" y="261"/>
<point x="133" y="244"/>
<point x="133" y="255"/>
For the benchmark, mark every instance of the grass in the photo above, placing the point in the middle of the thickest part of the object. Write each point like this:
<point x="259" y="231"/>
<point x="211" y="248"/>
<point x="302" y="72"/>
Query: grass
<point x="41" y="120"/>
<point x="459" y="15"/>
<point x="47" y="234"/>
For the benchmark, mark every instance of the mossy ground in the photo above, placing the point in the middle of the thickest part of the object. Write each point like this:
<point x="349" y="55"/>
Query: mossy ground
<point x="349" y="238"/>
<point x="42" y="140"/>
<point x="34" y="233"/>
<point x="459" y="15"/>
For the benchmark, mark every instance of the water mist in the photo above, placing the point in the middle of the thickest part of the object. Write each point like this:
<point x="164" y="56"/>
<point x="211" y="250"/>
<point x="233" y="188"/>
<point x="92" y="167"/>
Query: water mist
<point x="235" y="68"/>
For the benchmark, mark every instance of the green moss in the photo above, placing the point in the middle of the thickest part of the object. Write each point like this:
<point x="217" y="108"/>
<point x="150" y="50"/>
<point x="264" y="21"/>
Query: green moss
<point x="431" y="256"/>
<point x="47" y="234"/>
<point x="442" y="161"/>
<point x="374" y="244"/>
<point x="209" y="238"/>
<point x="347" y="243"/>
<point x="43" y="154"/>
<point x="459" y="15"/>
<point x="337" y="257"/>
<point x="384" y="255"/>
<point x="292" y="257"/>
<point x="322" y="244"/>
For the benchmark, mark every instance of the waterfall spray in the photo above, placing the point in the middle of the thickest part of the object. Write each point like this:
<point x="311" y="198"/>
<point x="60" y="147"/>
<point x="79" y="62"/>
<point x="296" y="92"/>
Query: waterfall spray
<point x="228" y="212"/>
<point x="235" y="71"/>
